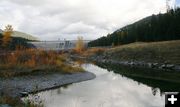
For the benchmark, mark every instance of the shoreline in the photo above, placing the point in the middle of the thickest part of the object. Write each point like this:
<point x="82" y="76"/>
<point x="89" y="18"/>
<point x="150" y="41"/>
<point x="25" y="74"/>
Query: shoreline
<point x="131" y="63"/>
<point x="140" y="64"/>
<point x="20" y="86"/>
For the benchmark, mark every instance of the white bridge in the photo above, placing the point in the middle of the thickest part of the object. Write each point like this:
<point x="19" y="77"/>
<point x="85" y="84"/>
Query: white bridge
<point x="57" y="45"/>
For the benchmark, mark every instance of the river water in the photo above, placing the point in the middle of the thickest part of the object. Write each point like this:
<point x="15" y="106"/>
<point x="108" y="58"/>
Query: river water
<point x="108" y="89"/>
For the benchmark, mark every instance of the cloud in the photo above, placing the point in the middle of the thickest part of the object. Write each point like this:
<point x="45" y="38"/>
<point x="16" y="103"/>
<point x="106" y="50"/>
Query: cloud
<point x="53" y="19"/>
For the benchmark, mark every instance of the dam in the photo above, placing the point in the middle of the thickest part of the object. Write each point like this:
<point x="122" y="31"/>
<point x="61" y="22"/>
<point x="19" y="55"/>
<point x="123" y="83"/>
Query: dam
<point x="57" y="45"/>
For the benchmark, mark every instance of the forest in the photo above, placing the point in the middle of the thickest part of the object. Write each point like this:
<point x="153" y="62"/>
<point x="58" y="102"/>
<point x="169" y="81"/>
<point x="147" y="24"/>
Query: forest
<point x="161" y="27"/>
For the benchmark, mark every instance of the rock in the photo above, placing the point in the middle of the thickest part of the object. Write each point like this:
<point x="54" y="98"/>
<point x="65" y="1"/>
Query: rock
<point x="103" y="61"/>
<point x="162" y="66"/>
<point x="154" y="65"/>
<point x="150" y="65"/>
<point x="170" y="66"/>
<point x="131" y="63"/>
<point x="177" y="68"/>
<point x="103" y="57"/>
<point x="167" y="66"/>
<point x="125" y="62"/>
<point x="23" y="94"/>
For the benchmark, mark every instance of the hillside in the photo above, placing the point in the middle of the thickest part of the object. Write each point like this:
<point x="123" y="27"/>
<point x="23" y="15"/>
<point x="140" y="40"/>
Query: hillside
<point x="161" y="27"/>
<point x="23" y="35"/>
<point x="157" y="55"/>
<point x="16" y="41"/>
<point x="167" y="51"/>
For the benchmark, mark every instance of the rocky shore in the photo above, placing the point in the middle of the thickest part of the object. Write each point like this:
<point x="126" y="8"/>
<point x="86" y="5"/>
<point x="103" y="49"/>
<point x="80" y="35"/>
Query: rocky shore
<point x="19" y="86"/>
<point x="154" y="65"/>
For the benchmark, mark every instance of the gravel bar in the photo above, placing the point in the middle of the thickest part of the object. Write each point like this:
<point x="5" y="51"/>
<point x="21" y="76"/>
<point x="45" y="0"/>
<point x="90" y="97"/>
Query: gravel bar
<point x="17" y="86"/>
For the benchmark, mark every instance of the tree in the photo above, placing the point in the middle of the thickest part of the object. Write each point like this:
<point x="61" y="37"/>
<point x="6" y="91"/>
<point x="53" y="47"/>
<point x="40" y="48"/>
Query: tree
<point x="79" y="44"/>
<point x="7" y="36"/>
<point x="160" y="27"/>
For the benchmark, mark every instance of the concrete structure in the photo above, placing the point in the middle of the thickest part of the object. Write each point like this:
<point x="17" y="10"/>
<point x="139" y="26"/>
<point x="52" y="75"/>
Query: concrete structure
<point x="1" y="31"/>
<point x="57" y="45"/>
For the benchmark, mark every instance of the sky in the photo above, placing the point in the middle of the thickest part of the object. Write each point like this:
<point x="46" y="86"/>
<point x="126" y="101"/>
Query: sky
<point x="67" y="19"/>
<point x="178" y="2"/>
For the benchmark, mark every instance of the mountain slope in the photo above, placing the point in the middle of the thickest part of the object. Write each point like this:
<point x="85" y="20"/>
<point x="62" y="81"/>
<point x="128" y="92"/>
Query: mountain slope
<point x="161" y="27"/>
<point x="23" y="35"/>
<point x="18" y="39"/>
<point x="15" y="42"/>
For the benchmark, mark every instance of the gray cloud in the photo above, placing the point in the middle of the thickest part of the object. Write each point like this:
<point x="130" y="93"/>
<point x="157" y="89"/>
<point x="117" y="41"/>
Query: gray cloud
<point x="29" y="2"/>
<point x="53" y="19"/>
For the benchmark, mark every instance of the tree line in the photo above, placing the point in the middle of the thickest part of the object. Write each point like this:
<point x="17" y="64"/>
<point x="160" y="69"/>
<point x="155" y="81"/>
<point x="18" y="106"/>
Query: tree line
<point x="159" y="27"/>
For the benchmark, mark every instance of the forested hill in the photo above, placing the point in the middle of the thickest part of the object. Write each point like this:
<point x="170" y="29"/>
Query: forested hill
<point x="159" y="27"/>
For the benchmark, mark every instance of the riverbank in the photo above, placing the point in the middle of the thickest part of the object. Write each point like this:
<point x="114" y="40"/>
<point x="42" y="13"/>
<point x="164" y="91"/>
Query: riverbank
<point x="108" y="87"/>
<point x="31" y="70"/>
<point x="156" y="55"/>
<point x="16" y="87"/>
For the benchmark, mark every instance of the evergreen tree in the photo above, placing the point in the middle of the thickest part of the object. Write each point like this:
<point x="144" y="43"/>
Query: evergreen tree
<point x="159" y="27"/>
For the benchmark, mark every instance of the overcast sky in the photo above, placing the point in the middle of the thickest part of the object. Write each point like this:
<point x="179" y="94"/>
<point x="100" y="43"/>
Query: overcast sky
<point x="53" y="19"/>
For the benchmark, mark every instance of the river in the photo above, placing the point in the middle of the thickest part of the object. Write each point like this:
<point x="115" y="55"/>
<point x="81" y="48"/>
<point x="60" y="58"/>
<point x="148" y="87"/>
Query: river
<point x="108" y="89"/>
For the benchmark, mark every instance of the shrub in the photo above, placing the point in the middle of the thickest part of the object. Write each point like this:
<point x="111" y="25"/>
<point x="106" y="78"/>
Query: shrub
<point x="24" y="62"/>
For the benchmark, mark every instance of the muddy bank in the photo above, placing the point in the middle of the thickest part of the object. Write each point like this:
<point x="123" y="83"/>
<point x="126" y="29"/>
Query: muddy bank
<point x="17" y="86"/>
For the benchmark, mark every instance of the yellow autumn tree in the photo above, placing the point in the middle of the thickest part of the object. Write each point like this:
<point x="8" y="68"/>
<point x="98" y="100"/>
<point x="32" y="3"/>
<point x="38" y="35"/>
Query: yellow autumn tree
<point x="79" y="44"/>
<point x="7" y="36"/>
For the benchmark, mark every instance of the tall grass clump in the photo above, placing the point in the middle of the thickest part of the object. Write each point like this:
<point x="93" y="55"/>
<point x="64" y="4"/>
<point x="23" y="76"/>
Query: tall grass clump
<point x="24" y="62"/>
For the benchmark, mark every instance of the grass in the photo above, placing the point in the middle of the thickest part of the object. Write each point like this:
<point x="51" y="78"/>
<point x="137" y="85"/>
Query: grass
<point x="32" y="61"/>
<point x="167" y="51"/>
<point x="93" y="51"/>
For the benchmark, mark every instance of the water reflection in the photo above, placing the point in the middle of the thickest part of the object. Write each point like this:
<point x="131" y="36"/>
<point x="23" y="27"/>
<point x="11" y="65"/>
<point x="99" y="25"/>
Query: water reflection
<point x="166" y="81"/>
<point x="106" y="90"/>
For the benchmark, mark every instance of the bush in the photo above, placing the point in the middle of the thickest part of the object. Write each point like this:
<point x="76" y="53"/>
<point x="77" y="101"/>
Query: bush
<point x="24" y="62"/>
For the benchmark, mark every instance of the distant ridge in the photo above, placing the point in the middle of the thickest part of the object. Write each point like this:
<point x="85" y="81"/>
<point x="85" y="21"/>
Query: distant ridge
<point x="22" y="35"/>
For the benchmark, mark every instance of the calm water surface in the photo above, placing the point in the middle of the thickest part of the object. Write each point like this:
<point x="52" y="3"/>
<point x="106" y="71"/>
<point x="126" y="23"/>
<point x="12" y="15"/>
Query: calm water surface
<point x="108" y="89"/>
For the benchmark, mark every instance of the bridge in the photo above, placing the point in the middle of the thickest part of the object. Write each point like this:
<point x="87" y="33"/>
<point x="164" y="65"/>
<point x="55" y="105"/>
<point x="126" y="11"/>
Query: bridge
<point x="57" y="45"/>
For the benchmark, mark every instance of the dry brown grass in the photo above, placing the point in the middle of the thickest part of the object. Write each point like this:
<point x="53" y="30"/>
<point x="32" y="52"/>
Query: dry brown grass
<point x="167" y="51"/>
<point x="24" y="62"/>
<point x="29" y="57"/>
<point x="93" y="51"/>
